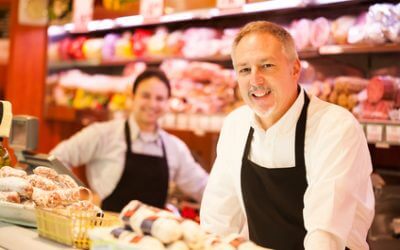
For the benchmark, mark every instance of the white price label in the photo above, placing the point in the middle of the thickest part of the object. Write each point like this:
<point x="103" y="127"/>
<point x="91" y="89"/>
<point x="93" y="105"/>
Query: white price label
<point x="230" y="4"/>
<point x="216" y="122"/>
<point x="393" y="134"/>
<point x="193" y="122"/>
<point x="374" y="133"/>
<point x="151" y="8"/>
<point x="168" y="120"/>
<point x="181" y="121"/>
<point x="204" y="122"/>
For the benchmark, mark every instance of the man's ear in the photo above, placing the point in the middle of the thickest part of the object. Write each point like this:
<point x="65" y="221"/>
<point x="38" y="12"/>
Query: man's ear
<point x="296" y="69"/>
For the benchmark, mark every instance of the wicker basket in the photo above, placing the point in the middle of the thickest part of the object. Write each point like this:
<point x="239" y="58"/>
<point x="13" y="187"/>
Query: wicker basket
<point x="70" y="227"/>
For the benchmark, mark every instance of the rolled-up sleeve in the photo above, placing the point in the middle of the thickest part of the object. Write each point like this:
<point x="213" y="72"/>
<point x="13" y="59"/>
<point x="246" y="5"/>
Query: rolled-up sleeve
<point x="339" y="198"/>
<point x="80" y="148"/>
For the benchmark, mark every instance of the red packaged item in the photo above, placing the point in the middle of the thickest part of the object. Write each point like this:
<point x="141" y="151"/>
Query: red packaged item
<point x="139" y="41"/>
<point x="75" y="48"/>
<point x="63" y="49"/>
<point x="381" y="87"/>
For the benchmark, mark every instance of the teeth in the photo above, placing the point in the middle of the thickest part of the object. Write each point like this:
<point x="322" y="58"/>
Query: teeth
<point x="259" y="91"/>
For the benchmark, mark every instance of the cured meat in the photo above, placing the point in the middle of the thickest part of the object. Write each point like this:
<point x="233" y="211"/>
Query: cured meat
<point x="301" y="32"/>
<point x="83" y="206"/>
<point x="340" y="28"/>
<point x="7" y="171"/>
<point x="350" y="84"/>
<point x="16" y="184"/>
<point x="59" y="197"/>
<point x="379" y="110"/>
<point x="42" y="182"/>
<point x="46" y="172"/>
<point x="320" y="32"/>
<point x="145" y="219"/>
<point x="381" y="87"/>
<point x="193" y="235"/>
<point x="179" y="245"/>
<point x="10" y="196"/>
<point x="66" y="181"/>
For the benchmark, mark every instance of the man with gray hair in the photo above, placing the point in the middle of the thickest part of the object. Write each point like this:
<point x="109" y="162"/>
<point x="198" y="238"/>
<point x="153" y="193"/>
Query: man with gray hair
<point x="292" y="171"/>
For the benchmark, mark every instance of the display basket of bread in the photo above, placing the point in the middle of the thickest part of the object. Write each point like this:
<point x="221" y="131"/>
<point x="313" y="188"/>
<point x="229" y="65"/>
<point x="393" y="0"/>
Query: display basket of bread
<point x="54" y="203"/>
<point x="70" y="226"/>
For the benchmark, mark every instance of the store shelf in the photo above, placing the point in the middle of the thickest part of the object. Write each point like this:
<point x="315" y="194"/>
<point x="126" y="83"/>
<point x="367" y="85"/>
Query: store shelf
<point x="304" y="54"/>
<point x="360" y="48"/>
<point x="266" y="7"/>
<point x="199" y="14"/>
<point x="382" y="133"/>
<point x="149" y="60"/>
<point x="69" y="114"/>
<point x="197" y="123"/>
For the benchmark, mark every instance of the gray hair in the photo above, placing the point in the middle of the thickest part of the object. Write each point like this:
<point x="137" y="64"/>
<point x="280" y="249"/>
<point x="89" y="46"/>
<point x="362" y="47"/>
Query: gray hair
<point x="273" y="29"/>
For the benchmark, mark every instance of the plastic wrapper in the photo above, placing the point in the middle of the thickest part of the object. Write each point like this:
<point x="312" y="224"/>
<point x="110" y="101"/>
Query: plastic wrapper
<point x="10" y="196"/>
<point x="108" y="50"/>
<point x="92" y="48"/>
<point x="144" y="219"/>
<point x="46" y="172"/>
<point x="320" y="33"/>
<point x="123" y="46"/>
<point x="16" y="184"/>
<point x="340" y="28"/>
<point x="66" y="181"/>
<point x="42" y="182"/>
<point x="178" y="245"/>
<point x="7" y="171"/>
<point x="301" y="32"/>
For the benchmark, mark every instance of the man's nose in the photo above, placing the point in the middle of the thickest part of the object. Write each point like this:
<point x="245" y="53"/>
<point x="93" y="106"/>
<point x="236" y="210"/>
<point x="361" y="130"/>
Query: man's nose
<point x="256" y="77"/>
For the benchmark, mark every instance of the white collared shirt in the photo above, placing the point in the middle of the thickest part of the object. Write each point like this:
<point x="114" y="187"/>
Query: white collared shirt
<point x="101" y="147"/>
<point x="338" y="202"/>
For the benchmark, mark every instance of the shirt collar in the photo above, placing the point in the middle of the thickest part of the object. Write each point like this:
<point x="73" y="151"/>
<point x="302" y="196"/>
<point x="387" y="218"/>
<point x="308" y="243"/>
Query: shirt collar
<point x="144" y="136"/>
<point x="288" y="121"/>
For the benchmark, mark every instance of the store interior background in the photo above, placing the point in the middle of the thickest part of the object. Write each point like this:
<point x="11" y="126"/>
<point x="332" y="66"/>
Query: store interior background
<point x="23" y="74"/>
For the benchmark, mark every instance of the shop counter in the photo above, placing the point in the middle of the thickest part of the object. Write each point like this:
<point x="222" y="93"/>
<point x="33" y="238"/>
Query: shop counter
<point x="17" y="237"/>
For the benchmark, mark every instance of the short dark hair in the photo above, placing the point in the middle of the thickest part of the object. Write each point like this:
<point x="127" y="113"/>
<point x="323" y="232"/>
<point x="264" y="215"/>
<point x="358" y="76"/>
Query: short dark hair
<point x="149" y="73"/>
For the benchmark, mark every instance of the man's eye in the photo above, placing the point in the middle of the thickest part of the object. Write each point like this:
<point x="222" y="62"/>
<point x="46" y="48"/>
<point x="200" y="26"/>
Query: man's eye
<point x="244" y="70"/>
<point x="267" y="65"/>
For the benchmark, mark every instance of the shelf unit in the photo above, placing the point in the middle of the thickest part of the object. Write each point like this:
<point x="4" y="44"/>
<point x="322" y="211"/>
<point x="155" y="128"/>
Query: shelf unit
<point x="273" y="10"/>
<point x="309" y="53"/>
<point x="382" y="133"/>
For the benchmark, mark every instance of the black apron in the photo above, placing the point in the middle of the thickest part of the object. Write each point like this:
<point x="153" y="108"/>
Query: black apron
<point x="144" y="178"/>
<point x="273" y="198"/>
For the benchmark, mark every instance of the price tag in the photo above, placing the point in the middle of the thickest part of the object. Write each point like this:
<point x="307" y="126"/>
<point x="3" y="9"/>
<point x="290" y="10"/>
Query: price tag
<point x="151" y="9"/>
<point x="168" y="120"/>
<point x="181" y="121"/>
<point x="393" y="134"/>
<point x="204" y="122"/>
<point x="193" y="122"/>
<point x="216" y="122"/>
<point x="374" y="133"/>
<point x="230" y="4"/>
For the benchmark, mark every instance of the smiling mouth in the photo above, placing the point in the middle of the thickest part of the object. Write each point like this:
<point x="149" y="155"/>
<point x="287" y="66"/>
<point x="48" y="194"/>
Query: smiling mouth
<point x="259" y="91"/>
